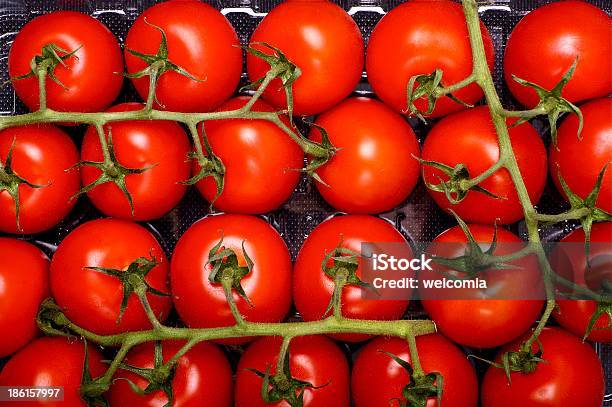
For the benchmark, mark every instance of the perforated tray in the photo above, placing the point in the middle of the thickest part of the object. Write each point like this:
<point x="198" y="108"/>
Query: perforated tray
<point x="418" y="218"/>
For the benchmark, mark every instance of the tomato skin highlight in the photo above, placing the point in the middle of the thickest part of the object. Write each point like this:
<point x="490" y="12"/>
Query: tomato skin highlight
<point x="54" y="362"/>
<point x="377" y="379"/>
<point x="572" y="372"/>
<point x="574" y="29"/>
<point x="201" y="41"/>
<point x="314" y="359"/>
<point x="313" y="289"/>
<point x="375" y="169"/>
<point x="258" y="156"/>
<point x="575" y="315"/>
<point x="24" y="282"/>
<point x="323" y="41"/>
<point x="203" y="377"/>
<point x="418" y="37"/>
<point x="92" y="299"/>
<point x="161" y="145"/>
<point x="486" y="323"/>
<point x="581" y="160"/>
<point x="202" y="304"/>
<point x="42" y="155"/>
<point x="474" y="143"/>
<point x="92" y="76"/>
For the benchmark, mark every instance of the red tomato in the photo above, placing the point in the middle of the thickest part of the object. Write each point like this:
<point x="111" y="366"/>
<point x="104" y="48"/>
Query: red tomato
<point x="417" y="38"/>
<point x="140" y="144"/>
<point x="92" y="299"/>
<point x="469" y="138"/>
<point x="571" y="374"/>
<point x="377" y="380"/>
<point x="201" y="41"/>
<point x="313" y="359"/>
<point x="258" y="156"/>
<point x="569" y="260"/>
<point x="92" y="75"/>
<point x="202" y="304"/>
<point x="203" y="377"/>
<point x="323" y="41"/>
<point x="374" y="170"/>
<point x="313" y="289"/>
<point x="469" y="318"/>
<point x="574" y="29"/>
<point x="53" y="362"/>
<point x="42" y="154"/>
<point x="581" y="160"/>
<point x="24" y="283"/>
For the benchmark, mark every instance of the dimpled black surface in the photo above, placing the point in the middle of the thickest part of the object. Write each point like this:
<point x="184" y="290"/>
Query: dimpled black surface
<point x="418" y="218"/>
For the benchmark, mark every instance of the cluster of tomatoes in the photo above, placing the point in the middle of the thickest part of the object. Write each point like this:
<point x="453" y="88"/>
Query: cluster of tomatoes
<point x="375" y="168"/>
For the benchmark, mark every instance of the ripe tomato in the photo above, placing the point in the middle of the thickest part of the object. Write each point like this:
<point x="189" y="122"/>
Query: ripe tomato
<point x="201" y="41"/>
<point x="323" y="41"/>
<point x="42" y="154"/>
<point x="417" y="38"/>
<point x="258" y="156"/>
<point x="313" y="289"/>
<point x="377" y="380"/>
<point x="53" y="362"/>
<point x="92" y="299"/>
<point x="569" y="260"/>
<point x="484" y="318"/>
<point x="313" y="359"/>
<point x="203" y="377"/>
<point x="474" y="143"/>
<point x="581" y="160"/>
<point x="374" y="170"/>
<point x="92" y="76"/>
<point x="574" y="29"/>
<point x="571" y="374"/>
<point x="24" y="282"/>
<point x="140" y="144"/>
<point x="202" y="304"/>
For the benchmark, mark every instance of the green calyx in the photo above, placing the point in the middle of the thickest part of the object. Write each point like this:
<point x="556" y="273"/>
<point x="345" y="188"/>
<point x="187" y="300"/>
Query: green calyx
<point x="111" y="171"/>
<point x="458" y="185"/>
<point x="280" y="67"/>
<point x="475" y="259"/>
<point x="157" y="64"/>
<point x="283" y="386"/>
<point x="593" y="214"/>
<point x="226" y="269"/>
<point x="553" y="103"/>
<point x="603" y="308"/>
<point x="10" y="182"/>
<point x="159" y="377"/>
<point x="46" y="62"/>
<point x="210" y="164"/>
<point x="328" y="151"/>
<point x="91" y="389"/>
<point x="420" y="388"/>
<point x="523" y="361"/>
<point x="133" y="280"/>
<point x="428" y="86"/>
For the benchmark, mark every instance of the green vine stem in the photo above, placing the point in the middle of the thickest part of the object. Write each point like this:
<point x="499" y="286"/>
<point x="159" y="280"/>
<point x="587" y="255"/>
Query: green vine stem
<point x="485" y="80"/>
<point x="329" y="325"/>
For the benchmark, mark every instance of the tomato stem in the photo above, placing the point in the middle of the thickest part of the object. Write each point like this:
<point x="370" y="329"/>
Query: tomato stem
<point x="227" y="284"/>
<point x="282" y="354"/>
<point x="414" y="357"/>
<point x="42" y="89"/>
